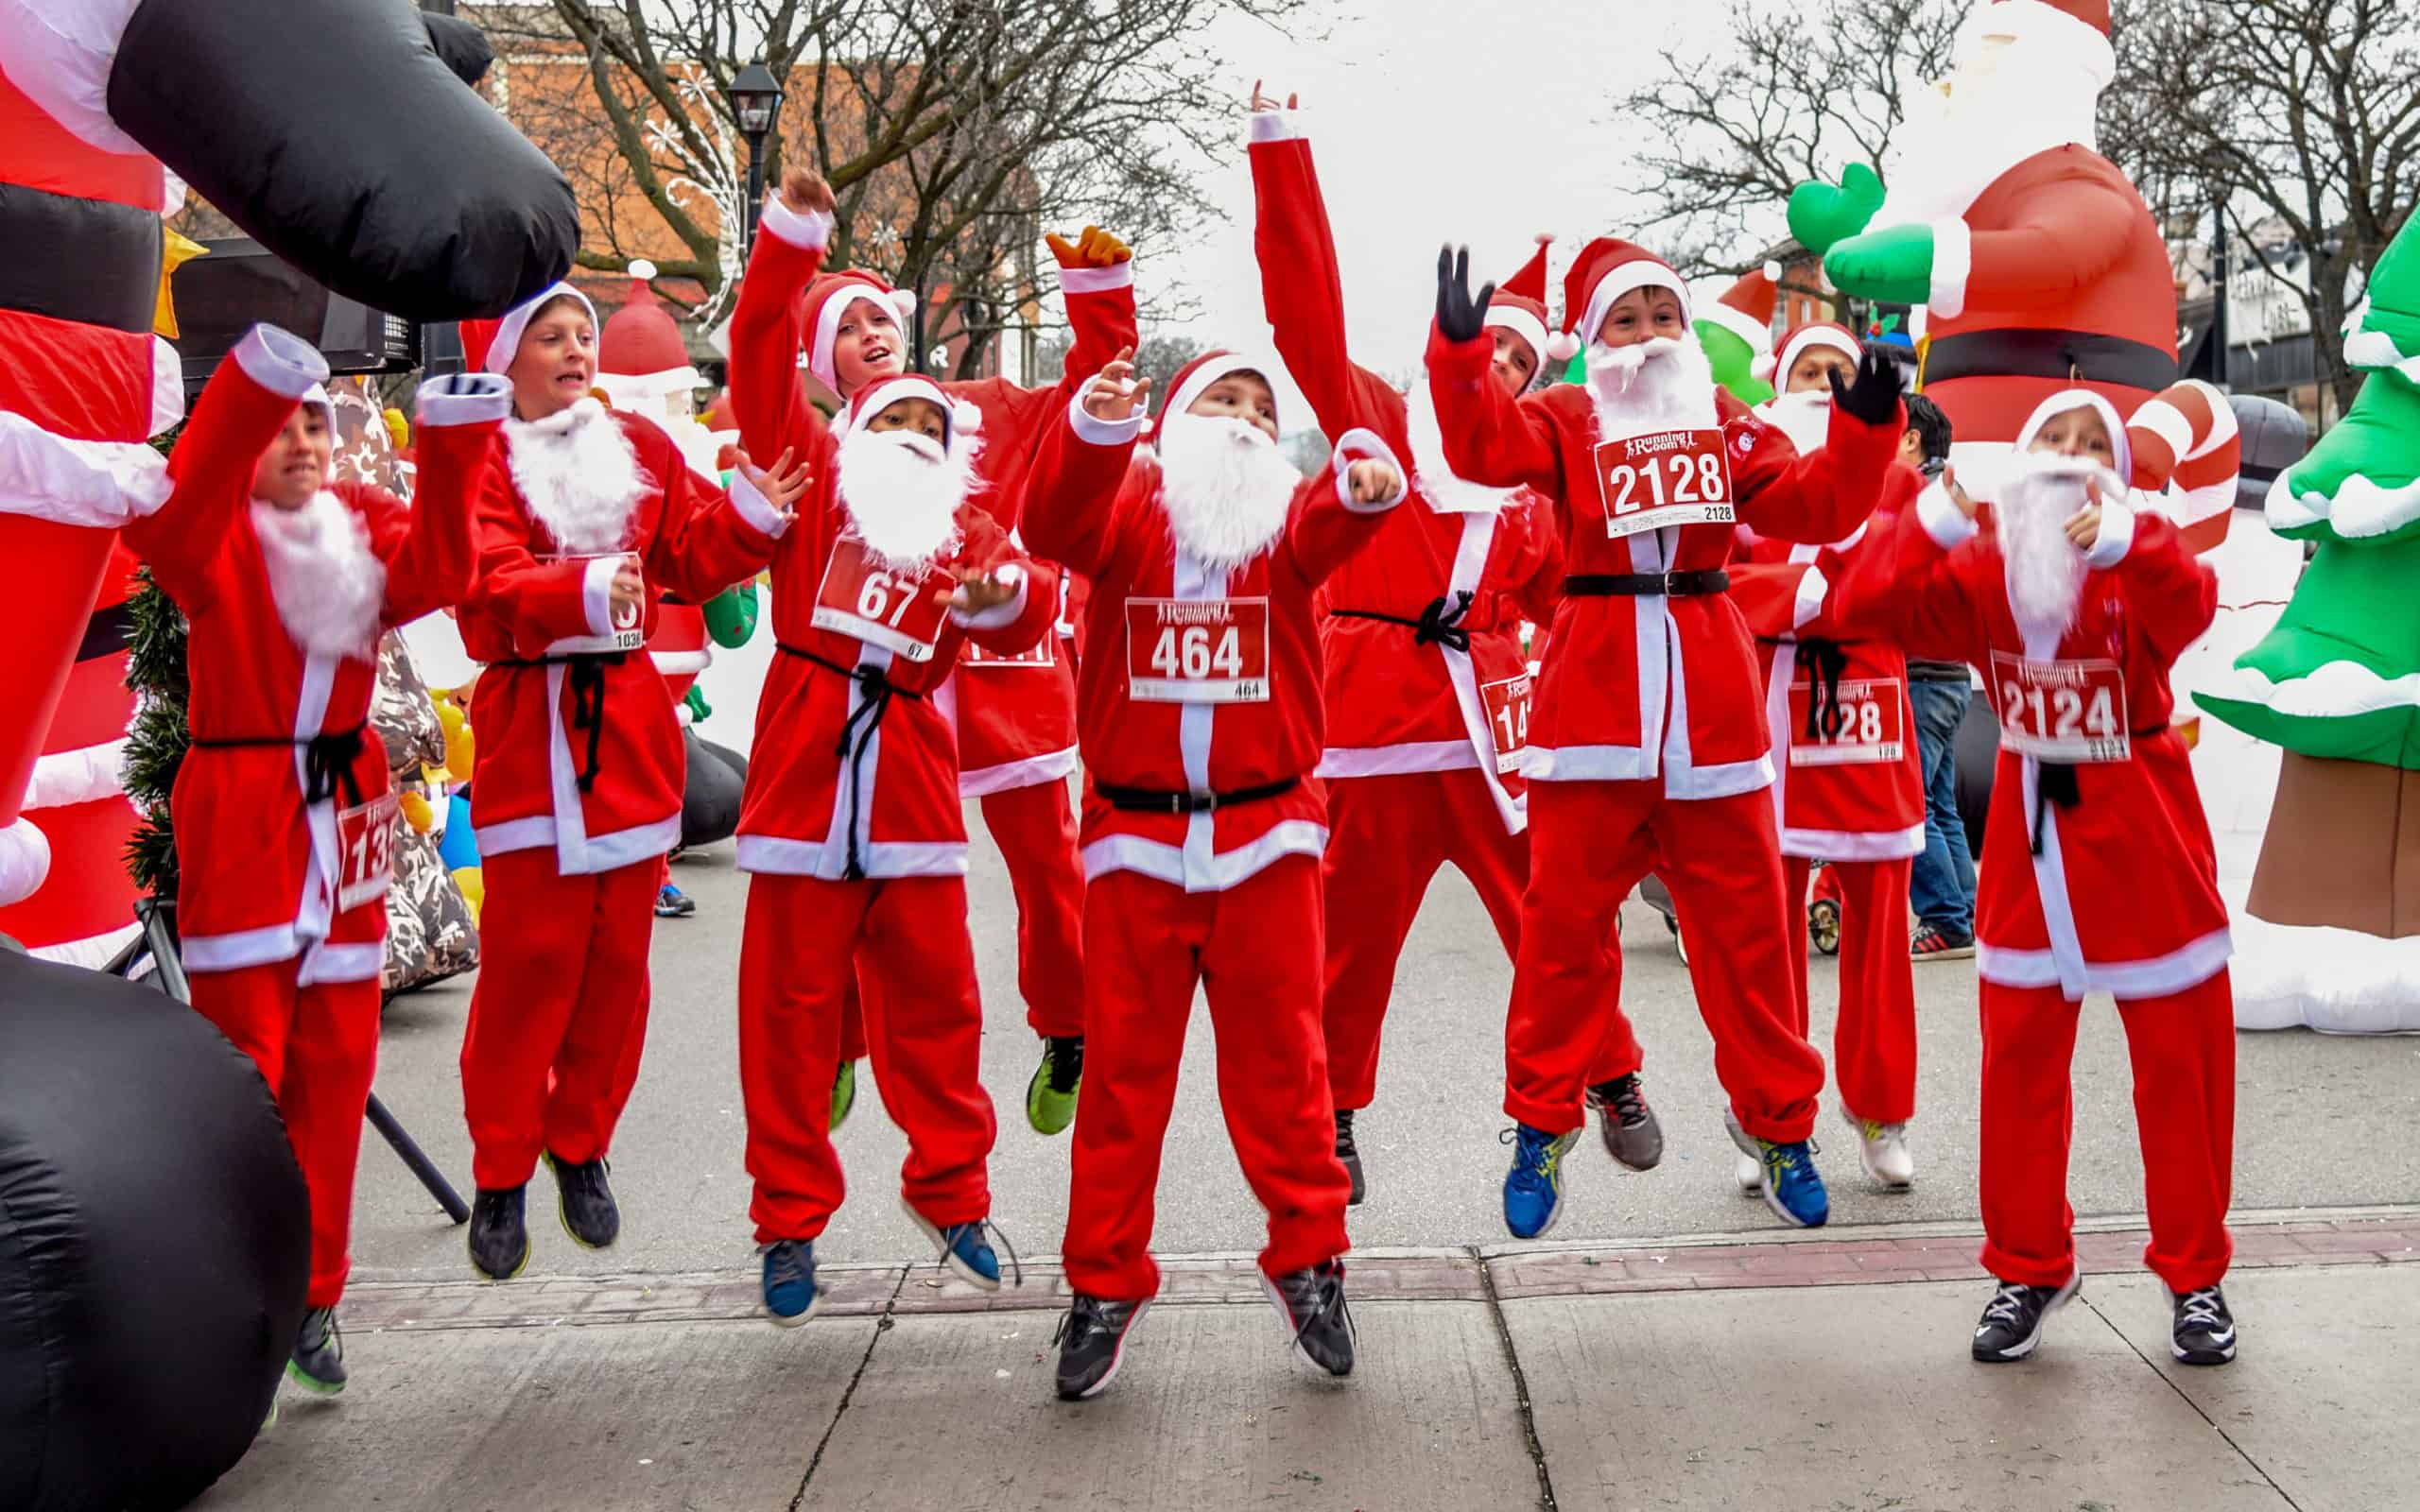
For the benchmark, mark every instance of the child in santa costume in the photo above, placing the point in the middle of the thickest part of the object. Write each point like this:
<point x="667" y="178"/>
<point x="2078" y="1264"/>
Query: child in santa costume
<point x="1200" y="713"/>
<point x="1847" y="783"/>
<point x="586" y="516"/>
<point x="2099" y="875"/>
<point x="284" y="815"/>
<point x="1648" y="740"/>
<point x="1015" y="715"/>
<point x="1428" y="689"/>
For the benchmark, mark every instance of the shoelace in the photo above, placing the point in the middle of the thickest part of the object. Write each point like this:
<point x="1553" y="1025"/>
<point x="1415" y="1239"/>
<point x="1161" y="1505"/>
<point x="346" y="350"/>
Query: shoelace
<point x="786" y="1263"/>
<point x="1533" y="1155"/>
<point x="1067" y="1063"/>
<point x="2203" y="1307"/>
<point x="1085" y="1317"/>
<point x="979" y="1227"/>
<point x="1344" y="1146"/>
<point x="1873" y="1131"/>
<point x="1628" y="1102"/>
<point x="334" y="1339"/>
<point x="2007" y="1304"/>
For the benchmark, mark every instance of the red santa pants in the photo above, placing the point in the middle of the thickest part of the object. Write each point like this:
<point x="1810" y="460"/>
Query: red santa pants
<point x="1035" y="828"/>
<point x="803" y="943"/>
<point x="1873" y="1042"/>
<point x="2183" y="1050"/>
<point x="316" y="1047"/>
<point x="559" y="1017"/>
<point x="1589" y="845"/>
<point x="1254" y="949"/>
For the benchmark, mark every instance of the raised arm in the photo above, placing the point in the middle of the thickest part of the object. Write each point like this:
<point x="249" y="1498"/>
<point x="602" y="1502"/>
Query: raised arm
<point x="1344" y="506"/>
<point x="1005" y="602"/>
<point x="768" y="399"/>
<point x="1910" y="586"/>
<point x="1300" y="285"/>
<point x="1822" y="495"/>
<point x="709" y="539"/>
<point x="1491" y="437"/>
<point x="1079" y="477"/>
<point x="432" y="560"/>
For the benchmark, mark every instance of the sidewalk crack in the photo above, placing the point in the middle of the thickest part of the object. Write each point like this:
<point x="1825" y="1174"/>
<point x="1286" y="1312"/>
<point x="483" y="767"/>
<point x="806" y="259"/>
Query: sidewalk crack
<point x="2241" y="1453"/>
<point x="881" y="1326"/>
<point x="1520" y="1383"/>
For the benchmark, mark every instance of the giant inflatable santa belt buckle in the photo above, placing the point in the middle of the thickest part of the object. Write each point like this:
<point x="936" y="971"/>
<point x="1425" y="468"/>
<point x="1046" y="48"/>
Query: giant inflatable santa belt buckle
<point x="1664" y="479"/>
<point x="1508" y="716"/>
<point x="1197" y="650"/>
<point x="2072" y="712"/>
<point x="1872" y="729"/>
<point x="871" y="604"/>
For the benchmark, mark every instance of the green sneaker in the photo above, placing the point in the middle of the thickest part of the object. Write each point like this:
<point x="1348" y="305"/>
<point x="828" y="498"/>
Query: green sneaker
<point x="1050" y="1097"/>
<point x="844" y="1093"/>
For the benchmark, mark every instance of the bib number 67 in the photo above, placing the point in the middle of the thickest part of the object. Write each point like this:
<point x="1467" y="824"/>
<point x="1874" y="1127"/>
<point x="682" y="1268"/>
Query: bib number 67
<point x="884" y="598"/>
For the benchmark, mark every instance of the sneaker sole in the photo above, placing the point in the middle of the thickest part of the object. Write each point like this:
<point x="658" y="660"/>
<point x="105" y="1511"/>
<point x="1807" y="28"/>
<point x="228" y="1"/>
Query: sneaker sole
<point x="949" y="1258"/>
<point x="562" y="1214"/>
<point x="1764" y="1183"/>
<point x="1955" y="952"/>
<point x="1033" y="1117"/>
<point x="310" y="1382"/>
<point x="780" y="1322"/>
<point x="1117" y="1359"/>
<point x="1294" y="1349"/>
<point x="2202" y="1357"/>
<point x="1555" y="1215"/>
<point x="2033" y="1341"/>
<point x="520" y="1265"/>
<point x="1865" y="1158"/>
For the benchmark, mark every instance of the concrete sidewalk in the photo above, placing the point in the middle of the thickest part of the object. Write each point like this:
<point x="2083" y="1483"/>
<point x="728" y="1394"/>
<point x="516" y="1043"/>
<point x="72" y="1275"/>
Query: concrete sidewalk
<point x="1822" y="1370"/>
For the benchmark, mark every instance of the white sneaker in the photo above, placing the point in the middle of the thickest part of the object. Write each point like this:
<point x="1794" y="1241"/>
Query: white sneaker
<point x="1883" y="1148"/>
<point x="1752" y="1176"/>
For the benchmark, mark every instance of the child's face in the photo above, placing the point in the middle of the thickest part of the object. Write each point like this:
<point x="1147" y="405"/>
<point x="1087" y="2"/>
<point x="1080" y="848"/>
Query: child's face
<point x="867" y="347"/>
<point x="1514" y="363"/>
<point x="2077" y="431"/>
<point x="556" y="362"/>
<point x="1642" y="315"/>
<point x="1244" y="396"/>
<point x="921" y="415"/>
<point x="294" y="467"/>
<point x="1814" y="369"/>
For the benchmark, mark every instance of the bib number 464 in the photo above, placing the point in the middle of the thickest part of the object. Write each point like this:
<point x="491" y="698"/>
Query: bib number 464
<point x="1190" y="652"/>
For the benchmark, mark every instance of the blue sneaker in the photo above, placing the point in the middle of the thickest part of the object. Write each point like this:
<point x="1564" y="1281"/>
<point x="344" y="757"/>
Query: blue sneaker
<point x="965" y="1249"/>
<point x="1788" y="1181"/>
<point x="791" y="1293"/>
<point x="1534" y="1188"/>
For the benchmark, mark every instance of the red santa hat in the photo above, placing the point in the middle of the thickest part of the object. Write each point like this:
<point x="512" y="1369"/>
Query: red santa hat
<point x="1195" y="378"/>
<point x="2120" y="447"/>
<point x="958" y="418"/>
<point x="1606" y="269"/>
<point x="2074" y="29"/>
<point x="1746" y="308"/>
<point x="1520" y="303"/>
<point x="490" y="346"/>
<point x="642" y="340"/>
<point x="828" y="297"/>
<point x="1800" y="339"/>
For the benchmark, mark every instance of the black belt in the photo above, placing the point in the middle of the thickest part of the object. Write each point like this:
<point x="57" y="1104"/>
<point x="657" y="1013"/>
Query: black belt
<point x="1440" y="624"/>
<point x="105" y="266"/>
<point x="1639" y="585"/>
<point x="1157" y="800"/>
<point x="109" y="631"/>
<point x="327" y="760"/>
<point x="587" y="696"/>
<point x="2054" y="782"/>
<point x="2063" y="356"/>
<point x="862" y="722"/>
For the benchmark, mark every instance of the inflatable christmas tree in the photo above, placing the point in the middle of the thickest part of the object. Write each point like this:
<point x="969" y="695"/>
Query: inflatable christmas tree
<point x="2334" y="685"/>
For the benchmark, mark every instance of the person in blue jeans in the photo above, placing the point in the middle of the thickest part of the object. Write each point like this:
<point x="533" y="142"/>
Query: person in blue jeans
<point x="1942" y="886"/>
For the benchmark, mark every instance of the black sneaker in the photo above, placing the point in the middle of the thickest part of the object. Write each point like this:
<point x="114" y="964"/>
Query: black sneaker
<point x="1312" y="1303"/>
<point x="1346" y="1152"/>
<point x="1631" y="1135"/>
<point x="317" y="1362"/>
<point x="499" y="1239"/>
<point x="586" y="1202"/>
<point x="2012" y="1324"/>
<point x="1091" y="1344"/>
<point x="2204" y="1332"/>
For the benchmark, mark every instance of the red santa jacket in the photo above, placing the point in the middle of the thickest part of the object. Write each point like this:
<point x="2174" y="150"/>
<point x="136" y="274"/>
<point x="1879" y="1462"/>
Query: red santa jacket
<point x="1015" y="715"/>
<point x="578" y="748"/>
<point x="2120" y="894"/>
<point x="1848" y="783"/>
<point x="1196" y="680"/>
<point x="1633" y="688"/>
<point x="1400" y="699"/>
<point x="270" y="871"/>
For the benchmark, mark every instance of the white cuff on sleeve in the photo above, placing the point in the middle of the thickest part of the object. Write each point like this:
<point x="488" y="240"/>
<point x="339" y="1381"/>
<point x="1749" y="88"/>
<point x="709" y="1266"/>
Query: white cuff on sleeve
<point x="1942" y="520"/>
<point x="1098" y="432"/>
<point x="755" y="507"/>
<point x="1813" y="587"/>
<point x="1953" y="261"/>
<point x="1361" y="445"/>
<point x="465" y="399"/>
<point x="279" y="361"/>
<point x="1097" y="280"/>
<point x="999" y="616"/>
<point x="596" y="594"/>
<point x="812" y="230"/>
<point x="1274" y="125"/>
<point x="2117" y="536"/>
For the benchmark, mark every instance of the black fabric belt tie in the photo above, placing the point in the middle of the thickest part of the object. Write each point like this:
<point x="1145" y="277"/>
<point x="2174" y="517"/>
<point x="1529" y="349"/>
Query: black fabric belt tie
<point x="2055" y="783"/>
<point x="1825" y="661"/>
<point x="857" y="732"/>
<point x="327" y="761"/>
<point x="2061" y="356"/>
<point x="1641" y="585"/>
<point x="587" y="698"/>
<point x="1156" y="800"/>
<point x="1440" y="624"/>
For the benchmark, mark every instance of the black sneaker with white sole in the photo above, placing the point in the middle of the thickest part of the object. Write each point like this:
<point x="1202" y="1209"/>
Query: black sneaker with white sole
<point x="1091" y="1344"/>
<point x="2204" y="1331"/>
<point x="2011" y="1323"/>
<point x="1312" y="1303"/>
<point x="586" y="1202"/>
<point x="1349" y="1155"/>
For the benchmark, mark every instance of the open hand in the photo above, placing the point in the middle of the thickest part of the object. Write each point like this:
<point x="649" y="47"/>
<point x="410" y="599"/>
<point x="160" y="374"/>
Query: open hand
<point x="782" y="485"/>
<point x="979" y="590"/>
<point x="804" y="191"/>
<point x="1957" y="495"/>
<point x="1092" y="247"/>
<point x="1874" y="397"/>
<point x="1370" y="481"/>
<point x="1116" y="394"/>
<point x="1460" y="317"/>
<point x="2084" y="526"/>
<point x="1261" y="102"/>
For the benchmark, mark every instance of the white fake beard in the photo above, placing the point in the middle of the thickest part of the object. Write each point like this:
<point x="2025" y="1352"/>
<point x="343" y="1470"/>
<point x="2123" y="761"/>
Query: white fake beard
<point x="2045" y="572"/>
<point x="1657" y="385"/>
<point x="329" y="586"/>
<point x="1805" y="417"/>
<point x="1446" y="492"/>
<point x="901" y="492"/>
<point x="578" y="476"/>
<point x="2001" y="107"/>
<point x="1226" y="488"/>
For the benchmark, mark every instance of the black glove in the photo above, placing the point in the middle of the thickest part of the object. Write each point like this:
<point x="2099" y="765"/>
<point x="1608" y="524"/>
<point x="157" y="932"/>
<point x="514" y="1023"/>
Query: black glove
<point x="1460" y="317"/>
<point x="1874" y="397"/>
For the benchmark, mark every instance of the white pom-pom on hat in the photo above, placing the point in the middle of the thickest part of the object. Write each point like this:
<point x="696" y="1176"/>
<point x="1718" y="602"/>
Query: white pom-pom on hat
<point x="1761" y="368"/>
<point x="641" y="267"/>
<point x="1772" y="270"/>
<point x="902" y="301"/>
<point x="965" y="417"/>
<point x="1561" y="347"/>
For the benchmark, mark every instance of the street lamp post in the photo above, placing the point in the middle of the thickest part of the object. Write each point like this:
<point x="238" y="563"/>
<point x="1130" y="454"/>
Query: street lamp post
<point x="755" y="103"/>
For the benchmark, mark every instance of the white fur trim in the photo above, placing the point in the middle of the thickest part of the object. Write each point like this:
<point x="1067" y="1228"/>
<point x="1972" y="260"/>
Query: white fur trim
<point x="1773" y="272"/>
<point x="515" y="324"/>
<point x="2046" y="26"/>
<point x="2116" y="535"/>
<point x="1762" y="368"/>
<point x="78" y="776"/>
<point x="1853" y="844"/>
<point x="2121" y="449"/>
<point x="1953" y="261"/>
<point x="754" y="507"/>
<point x="596" y="592"/>
<point x="1638" y="273"/>
<point x="1521" y="323"/>
<point x="1094" y="432"/>
<point x="467" y="399"/>
<point x="61" y="56"/>
<point x="1813" y="588"/>
<point x="1389" y="761"/>
<point x="25" y="861"/>
<point x="1798" y="346"/>
<point x="681" y="664"/>
<point x="2155" y="976"/>
<point x="101" y="485"/>
<point x="811" y="229"/>
<point x="1225" y="868"/>
<point x="1739" y="323"/>
<point x="1561" y="347"/>
<point x="784" y="856"/>
<point x="898" y="303"/>
<point x="167" y="385"/>
<point x="279" y="361"/>
<point x="1361" y="445"/>
<point x="1007" y="777"/>
<point x="1274" y="125"/>
<point x="1942" y="520"/>
<point x="1097" y="280"/>
<point x="999" y="616"/>
<point x="1182" y="398"/>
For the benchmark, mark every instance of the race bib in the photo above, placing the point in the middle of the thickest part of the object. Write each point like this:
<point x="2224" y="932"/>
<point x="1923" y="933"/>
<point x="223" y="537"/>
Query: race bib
<point x="1872" y="726"/>
<point x="1664" y="479"/>
<point x="1197" y="650"/>
<point x="366" y="850"/>
<point x="870" y="603"/>
<point x="628" y="632"/>
<point x="1043" y="654"/>
<point x="1507" y="715"/>
<point x="2061" y="710"/>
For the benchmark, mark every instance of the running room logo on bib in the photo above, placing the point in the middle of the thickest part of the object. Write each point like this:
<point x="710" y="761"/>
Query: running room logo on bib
<point x="873" y="605"/>
<point x="2072" y="712"/>
<point x="1507" y="715"/>
<point x="1664" y="479"/>
<point x="628" y="632"/>
<point x="1197" y="650"/>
